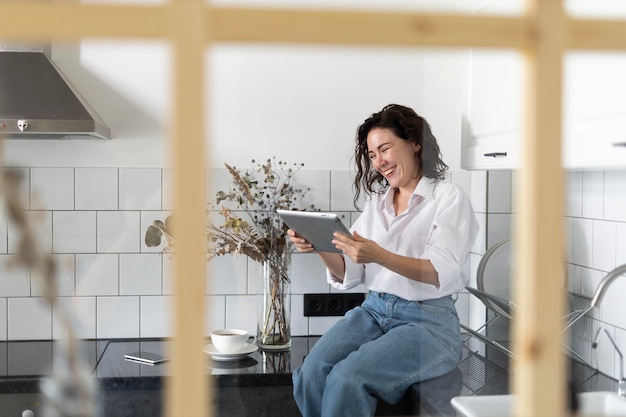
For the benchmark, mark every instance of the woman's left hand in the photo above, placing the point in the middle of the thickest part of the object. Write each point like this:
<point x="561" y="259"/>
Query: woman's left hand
<point x="359" y="249"/>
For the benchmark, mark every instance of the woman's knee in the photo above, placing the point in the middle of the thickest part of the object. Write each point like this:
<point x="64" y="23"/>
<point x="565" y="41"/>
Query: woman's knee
<point x="345" y="379"/>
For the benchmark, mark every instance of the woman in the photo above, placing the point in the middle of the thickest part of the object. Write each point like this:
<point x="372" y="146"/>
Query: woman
<point x="409" y="248"/>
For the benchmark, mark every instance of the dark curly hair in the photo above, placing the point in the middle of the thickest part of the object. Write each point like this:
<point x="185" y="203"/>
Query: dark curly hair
<point x="406" y="124"/>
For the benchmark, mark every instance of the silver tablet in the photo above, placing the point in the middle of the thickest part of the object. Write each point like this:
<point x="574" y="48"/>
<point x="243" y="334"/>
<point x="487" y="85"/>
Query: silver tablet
<point x="146" y="358"/>
<point x="316" y="227"/>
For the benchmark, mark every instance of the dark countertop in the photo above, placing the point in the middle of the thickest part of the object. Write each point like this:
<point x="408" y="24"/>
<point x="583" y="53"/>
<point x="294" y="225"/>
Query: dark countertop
<point x="257" y="385"/>
<point x="23" y="363"/>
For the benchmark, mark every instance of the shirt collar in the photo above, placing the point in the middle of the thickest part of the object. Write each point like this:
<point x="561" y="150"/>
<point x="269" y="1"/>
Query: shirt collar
<point x="425" y="188"/>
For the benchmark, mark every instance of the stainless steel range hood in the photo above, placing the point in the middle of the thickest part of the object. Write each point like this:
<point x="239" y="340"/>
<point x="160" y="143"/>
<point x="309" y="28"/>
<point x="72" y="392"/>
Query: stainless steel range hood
<point x="36" y="101"/>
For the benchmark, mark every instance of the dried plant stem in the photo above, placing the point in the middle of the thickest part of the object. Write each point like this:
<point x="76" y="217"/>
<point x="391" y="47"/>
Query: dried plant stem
<point x="70" y="374"/>
<point x="274" y="329"/>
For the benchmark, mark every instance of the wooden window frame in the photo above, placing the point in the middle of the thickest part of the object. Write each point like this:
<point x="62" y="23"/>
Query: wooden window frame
<point x="542" y="34"/>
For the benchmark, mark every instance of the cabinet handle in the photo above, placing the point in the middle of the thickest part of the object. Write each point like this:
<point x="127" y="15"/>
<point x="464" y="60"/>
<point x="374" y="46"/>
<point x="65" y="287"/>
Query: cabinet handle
<point x="620" y="144"/>
<point x="495" y="154"/>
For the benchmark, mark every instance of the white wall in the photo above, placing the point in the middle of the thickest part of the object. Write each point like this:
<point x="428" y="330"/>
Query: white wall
<point x="301" y="102"/>
<point x="92" y="200"/>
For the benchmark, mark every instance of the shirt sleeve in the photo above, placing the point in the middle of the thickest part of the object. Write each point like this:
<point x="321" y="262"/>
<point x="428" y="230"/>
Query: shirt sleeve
<point x="450" y="240"/>
<point x="355" y="273"/>
<point x="353" y="276"/>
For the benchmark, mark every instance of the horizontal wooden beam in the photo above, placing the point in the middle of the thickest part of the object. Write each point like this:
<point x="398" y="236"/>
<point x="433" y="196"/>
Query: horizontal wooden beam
<point x="45" y="20"/>
<point x="596" y="34"/>
<point x="369" y="28"/>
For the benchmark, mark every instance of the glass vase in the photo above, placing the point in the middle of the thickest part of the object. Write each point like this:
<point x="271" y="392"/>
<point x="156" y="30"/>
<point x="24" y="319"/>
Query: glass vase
<point x="274" y="307"/>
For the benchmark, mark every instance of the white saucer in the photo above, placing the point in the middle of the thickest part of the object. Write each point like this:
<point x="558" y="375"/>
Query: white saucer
<point x="247" y="349"/>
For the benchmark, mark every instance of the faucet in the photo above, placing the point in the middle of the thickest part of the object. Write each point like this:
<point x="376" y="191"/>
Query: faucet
<point x="621" y="385"/>
<point x="608" y="279"/>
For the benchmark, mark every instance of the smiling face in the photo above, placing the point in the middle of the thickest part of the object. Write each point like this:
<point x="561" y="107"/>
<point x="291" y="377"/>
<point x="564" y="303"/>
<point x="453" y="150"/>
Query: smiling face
<point x="394" y="158"/>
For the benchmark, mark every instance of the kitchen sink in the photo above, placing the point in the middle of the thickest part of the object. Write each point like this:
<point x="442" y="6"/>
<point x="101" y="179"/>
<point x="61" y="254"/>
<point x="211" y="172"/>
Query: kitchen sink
<point x="597" y="404"/>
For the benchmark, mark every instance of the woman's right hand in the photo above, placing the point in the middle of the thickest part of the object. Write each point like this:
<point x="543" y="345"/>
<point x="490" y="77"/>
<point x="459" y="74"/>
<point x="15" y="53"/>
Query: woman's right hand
<point x="302" y="245"/>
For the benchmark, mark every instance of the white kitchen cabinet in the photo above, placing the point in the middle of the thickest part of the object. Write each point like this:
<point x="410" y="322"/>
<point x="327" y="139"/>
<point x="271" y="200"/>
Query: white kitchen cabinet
<point x="491" y="123"/>
<point x="594" y="109"/>
<point x="492" y="100"/>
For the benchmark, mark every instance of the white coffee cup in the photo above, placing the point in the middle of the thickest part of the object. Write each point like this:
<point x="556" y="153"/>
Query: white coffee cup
<point x="229" y="340"/>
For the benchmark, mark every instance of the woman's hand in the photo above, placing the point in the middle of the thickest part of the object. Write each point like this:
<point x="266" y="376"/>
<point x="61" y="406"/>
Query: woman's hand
<point x="363" y="251"/>
<point x="359" y="249"/>
<point x="302" y="245"/>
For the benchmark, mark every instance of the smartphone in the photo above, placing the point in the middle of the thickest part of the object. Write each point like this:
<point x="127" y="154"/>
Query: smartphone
<point x="147" y="358"/>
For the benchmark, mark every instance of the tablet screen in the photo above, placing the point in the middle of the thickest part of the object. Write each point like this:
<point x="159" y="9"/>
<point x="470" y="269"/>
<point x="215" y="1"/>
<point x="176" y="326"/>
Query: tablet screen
<point x="316" y="227"/>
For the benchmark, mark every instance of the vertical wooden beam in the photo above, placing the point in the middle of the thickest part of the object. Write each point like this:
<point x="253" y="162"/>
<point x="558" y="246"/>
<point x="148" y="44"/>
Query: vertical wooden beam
<point x="539" y="377"/>
<point x="188" y="383"/>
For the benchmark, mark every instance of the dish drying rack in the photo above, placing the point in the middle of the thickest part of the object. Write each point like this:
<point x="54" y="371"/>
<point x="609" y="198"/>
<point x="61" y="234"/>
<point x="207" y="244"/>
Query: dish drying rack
<point x="493" y="280"/>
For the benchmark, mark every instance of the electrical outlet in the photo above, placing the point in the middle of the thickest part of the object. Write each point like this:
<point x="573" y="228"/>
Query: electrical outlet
<point x="331" y="304"/>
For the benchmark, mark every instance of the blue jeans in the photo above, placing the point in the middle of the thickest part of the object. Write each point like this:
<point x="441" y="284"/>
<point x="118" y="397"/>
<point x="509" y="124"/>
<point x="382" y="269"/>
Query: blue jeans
<point x="377" y="351"/>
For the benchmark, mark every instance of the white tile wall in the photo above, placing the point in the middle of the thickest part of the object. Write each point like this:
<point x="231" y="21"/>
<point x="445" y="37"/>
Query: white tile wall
<point x="4" y="231"/>
<point x="595" y="226"/>
<point x="41" y="222"/>
<point x="140" y="274"/>
<point x="117" y="317"/>
<point x="52" y="188"/>
<point x="15" y="279"/>
<point x="97" y="274"/>
<point x="573" y="194"/>
<point x="81" y="311"/>
<point x="241" y="312"/>
<point x="498" y="227"/>
<point x="308" y="275"/>
<point x="255" y="282"/>
<point x="74" y="231"/>
<point x="93" y="221"/>
<point x="603" y="245"/>
<point x="215" y="313"/>
<point x="593" y="202"/>
<point x="118" y="232"/>
<point x="478" y="195"/>
<point x="582" y="238"/>
<point x="299" y="323"/>
<point x="615" y="196"/>
<point x="167" y="189"/>
<point x="154" y="315"/>
<point x="341" y="193"/>
<point x="24" y="192"/>
<point x="29" y="318"/>
<point x="319" y="183"/>
<point x="499" y="192"/>
<point x="620" y="244"/>
<point x="227" y="275"/>
<point x="65" y="265"/>
<point x="96" y="189"/>
<point x="168" y="274"/>
<point x="140" y="189"/>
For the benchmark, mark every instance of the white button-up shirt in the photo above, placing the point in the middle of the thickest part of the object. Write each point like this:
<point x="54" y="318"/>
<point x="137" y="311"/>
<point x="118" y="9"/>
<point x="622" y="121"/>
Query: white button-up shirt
<point x="438" y="225"/>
